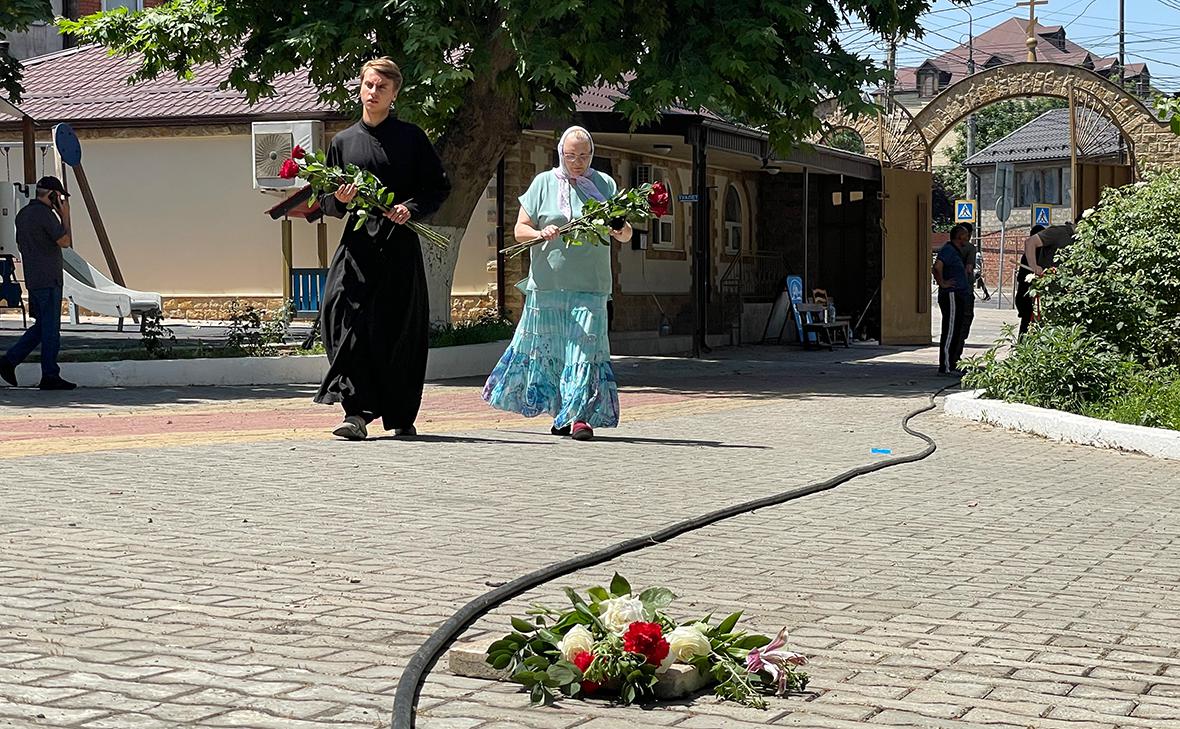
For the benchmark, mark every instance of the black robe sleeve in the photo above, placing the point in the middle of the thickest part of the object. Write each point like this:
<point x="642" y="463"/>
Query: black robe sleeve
<point x="433" y="183"/>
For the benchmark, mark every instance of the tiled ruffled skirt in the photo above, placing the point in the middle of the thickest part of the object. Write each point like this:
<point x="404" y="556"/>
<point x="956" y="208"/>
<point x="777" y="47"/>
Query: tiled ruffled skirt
<point x="558" y="362"/>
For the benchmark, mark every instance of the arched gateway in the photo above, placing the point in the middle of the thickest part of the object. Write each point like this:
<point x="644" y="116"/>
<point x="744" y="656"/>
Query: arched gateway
<point x="906" y="141"/>
<point x="904" y="144"/>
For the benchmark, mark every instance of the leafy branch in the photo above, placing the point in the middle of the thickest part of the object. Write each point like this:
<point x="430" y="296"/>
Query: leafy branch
<point x="372" y="198"/>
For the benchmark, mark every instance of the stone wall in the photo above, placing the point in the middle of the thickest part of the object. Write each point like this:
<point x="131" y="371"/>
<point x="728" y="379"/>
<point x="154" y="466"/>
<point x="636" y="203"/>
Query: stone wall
<point x="469" y="307"/>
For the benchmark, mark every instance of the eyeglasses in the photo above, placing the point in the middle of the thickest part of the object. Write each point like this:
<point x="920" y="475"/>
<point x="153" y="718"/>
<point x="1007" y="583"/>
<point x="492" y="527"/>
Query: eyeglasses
<point x="576" y="157"/>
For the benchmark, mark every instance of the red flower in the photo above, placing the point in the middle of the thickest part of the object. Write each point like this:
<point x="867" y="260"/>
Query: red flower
<point x="583" y="659"/>
<point x="297" y="152"/>
<point x="646" y="639"/>
<point x="289" y="170"/>
<point x="659" y="200"/>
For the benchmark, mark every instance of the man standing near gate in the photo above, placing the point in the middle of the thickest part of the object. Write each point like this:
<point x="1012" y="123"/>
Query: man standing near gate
<point x="954" y="299"/>
<point x="42" y="230"/>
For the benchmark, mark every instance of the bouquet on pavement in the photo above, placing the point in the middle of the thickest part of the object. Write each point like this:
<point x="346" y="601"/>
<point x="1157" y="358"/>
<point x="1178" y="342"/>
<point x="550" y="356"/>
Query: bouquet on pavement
<point x="598" y="218"/>
<point x="615" y="642"/>
<point x="371" y="196"/>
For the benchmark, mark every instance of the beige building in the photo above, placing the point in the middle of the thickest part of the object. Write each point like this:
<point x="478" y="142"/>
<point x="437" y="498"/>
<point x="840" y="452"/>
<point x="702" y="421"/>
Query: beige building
<point x="173" y="168"/>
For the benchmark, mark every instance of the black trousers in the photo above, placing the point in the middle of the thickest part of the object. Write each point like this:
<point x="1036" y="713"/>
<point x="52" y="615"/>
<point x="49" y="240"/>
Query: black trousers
<point x="958" y="309"/>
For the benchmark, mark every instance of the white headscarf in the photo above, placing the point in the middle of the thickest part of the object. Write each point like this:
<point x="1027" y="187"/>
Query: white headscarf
<point x="584" y="183"/>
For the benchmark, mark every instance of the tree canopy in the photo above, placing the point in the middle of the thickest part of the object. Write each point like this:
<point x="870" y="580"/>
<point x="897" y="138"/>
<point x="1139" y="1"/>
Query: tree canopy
<point x="17" y="16"/>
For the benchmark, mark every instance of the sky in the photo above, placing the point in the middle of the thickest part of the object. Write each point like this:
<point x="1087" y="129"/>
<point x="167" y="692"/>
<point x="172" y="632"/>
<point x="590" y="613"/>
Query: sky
<point x="1152" y="31"/>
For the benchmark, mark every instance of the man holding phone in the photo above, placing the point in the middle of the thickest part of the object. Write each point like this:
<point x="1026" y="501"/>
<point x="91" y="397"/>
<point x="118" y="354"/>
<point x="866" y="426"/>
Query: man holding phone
<point x="42" y="230"/>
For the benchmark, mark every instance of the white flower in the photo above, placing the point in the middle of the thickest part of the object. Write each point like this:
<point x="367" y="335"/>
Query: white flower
<point x="618" y="613"/>
<point x="1088" y="212"/>
<point x="575" y="641"/>
<point x="688" y="642"/>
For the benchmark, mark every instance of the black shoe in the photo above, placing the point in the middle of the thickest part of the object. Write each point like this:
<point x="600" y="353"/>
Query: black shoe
<point x="554" y="430"/>
<point x="407" y="432"/>
<point x="8" y="371"/>
<point x="56" y="383"/>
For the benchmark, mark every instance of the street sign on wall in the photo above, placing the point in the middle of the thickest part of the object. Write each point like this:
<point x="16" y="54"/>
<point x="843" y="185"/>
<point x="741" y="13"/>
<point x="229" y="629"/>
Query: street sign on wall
<point x="1042" y="215"/>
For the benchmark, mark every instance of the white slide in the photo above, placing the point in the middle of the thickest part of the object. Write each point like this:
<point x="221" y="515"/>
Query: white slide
<point x="86" y="286"/>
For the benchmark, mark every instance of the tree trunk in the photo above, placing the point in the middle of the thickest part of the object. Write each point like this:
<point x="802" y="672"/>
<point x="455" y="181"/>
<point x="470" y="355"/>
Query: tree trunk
<point x="484" y="127"/>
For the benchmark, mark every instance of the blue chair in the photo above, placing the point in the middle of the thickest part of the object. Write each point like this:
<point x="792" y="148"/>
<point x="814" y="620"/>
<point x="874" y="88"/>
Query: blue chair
<point x="10" y="289"/>
<point x="307" y="290"/>
<point x="795" y="291"/>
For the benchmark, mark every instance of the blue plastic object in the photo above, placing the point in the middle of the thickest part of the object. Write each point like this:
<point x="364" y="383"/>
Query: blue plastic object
<point x="67" y="144"/>
<point x="882" y="451"/>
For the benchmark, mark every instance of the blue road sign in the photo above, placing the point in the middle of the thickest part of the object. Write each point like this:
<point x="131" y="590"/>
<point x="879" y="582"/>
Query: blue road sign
<point x="964" y="211"/>
<point x="1042" y="215"/>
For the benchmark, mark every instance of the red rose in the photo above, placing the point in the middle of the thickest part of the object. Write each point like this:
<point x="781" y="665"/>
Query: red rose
<point x="659" y="199"/>
<point x="583" y="659"/>
<point x="289" y="170"/>
<point x="297" y="152"/>
<point x="646" y="639"/>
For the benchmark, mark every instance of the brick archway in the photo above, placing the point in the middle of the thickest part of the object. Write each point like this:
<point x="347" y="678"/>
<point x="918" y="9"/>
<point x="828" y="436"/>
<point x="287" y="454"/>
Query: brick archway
<point x="1154" y="144"/>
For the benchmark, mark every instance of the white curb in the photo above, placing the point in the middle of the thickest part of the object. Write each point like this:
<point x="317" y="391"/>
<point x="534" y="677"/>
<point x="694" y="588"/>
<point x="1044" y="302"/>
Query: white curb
<point x="1065" y="427"/>
<point x="444" y="363"/>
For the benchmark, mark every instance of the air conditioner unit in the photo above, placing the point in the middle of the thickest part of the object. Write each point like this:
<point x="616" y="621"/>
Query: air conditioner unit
<point x="642" y="175"/>
<point x="13" y="197"/>
<point x="272" y="143"/>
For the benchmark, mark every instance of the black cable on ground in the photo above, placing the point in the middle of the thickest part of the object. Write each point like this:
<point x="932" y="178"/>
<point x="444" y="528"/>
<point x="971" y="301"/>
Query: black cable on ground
<point x="405" y="700"/>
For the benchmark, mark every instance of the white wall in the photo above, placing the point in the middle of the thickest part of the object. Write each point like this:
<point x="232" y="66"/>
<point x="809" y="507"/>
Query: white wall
<point x="478" y="246"/>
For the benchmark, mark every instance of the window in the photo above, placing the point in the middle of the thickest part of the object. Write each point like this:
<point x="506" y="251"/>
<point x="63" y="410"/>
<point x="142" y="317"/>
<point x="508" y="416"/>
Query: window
<point x="926" y="85"/>
<point x="129" y="4"/>
<point x="1038" y="186"/>
<point x="664" y="234"/>
<point x="733" y="221"/>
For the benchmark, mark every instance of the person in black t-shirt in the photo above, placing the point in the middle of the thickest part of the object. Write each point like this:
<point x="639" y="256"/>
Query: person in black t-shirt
<point x="42" y="230"/>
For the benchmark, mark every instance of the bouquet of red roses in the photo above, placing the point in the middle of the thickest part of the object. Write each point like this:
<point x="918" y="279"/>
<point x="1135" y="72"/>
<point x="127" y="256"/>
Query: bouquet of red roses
<point x="371" y="195"/>
<point x="616" y="641"/>
<point x="598" y="218"/>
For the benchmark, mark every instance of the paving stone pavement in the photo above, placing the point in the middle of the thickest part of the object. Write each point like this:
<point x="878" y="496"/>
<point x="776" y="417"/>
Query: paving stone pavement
<point x="208" y="558"/>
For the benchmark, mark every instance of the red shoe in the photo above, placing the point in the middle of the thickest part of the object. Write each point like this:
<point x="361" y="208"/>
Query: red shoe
<point x="582" y="431"/>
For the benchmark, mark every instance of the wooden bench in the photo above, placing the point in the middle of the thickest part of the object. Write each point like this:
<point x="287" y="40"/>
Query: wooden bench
<point x="815" y="321"/>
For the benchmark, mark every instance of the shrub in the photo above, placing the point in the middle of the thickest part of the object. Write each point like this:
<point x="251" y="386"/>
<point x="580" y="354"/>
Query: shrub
<point x="491" y="326"/>
<point x="1059" y="367"/>
<point x="1149" y="398"/>
<point x="1120" y="280"/>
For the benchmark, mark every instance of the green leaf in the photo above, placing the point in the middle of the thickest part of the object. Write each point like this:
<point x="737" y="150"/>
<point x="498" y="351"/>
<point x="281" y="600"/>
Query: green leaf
<point x="619" y="586"/>
<point x="656" y="598"/>
<point x="522" y="625"/>
<point x="562" y="673"/>
<point x="500" y="661"/>
<point x="599" y="594"/>
<point x="728" y="624"/>
<point x="536" y="663"/>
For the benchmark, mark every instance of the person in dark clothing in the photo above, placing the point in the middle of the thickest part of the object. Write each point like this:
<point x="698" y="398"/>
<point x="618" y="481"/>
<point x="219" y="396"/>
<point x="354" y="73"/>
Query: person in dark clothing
<point x="954" y="299"/>
<point x="1023" y="297"/>
<point x="375" y="319"/>
<point x="42" y="230"/>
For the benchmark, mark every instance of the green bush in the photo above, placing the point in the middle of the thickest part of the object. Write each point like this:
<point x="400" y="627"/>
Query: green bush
<point x="1120" y="280"/>
<point x="1059" y="367"/>
<point x="491" y="326"/>
<point x="1150" y="398"/>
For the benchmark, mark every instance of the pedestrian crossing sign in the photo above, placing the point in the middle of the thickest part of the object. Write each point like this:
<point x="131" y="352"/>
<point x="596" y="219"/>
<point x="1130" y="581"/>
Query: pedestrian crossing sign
<point x="964" y="211"/>
<point x="1042" y="214"/>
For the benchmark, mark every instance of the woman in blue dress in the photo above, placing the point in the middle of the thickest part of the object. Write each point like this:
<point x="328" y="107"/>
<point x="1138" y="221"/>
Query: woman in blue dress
<point x="559" y="360"/>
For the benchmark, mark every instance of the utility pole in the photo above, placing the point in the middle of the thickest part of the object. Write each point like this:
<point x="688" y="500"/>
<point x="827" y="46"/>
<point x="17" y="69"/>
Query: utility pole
<point x="891" y="63"/>
<point x="1122" y="42"/>
<point x="970" y="119"/>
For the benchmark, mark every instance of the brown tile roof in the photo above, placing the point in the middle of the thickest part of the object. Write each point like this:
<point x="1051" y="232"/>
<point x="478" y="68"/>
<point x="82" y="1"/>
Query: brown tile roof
<point x="1005" y="42"/>
<point x="85" y="86"/>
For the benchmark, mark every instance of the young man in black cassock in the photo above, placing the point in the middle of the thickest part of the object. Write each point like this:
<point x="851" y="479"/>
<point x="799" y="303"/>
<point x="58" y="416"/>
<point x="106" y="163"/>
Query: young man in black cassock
<point x="375" y="319"/>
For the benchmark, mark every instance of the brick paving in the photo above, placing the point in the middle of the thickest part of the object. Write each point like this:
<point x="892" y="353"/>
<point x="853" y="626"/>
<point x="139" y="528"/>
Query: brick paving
<point x="208" y="557"/>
